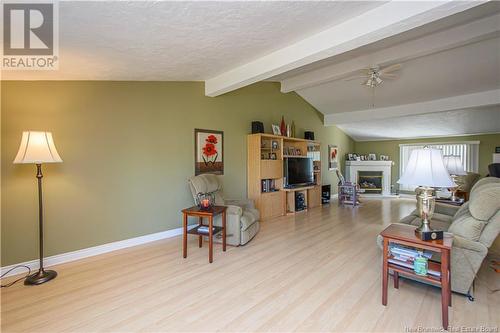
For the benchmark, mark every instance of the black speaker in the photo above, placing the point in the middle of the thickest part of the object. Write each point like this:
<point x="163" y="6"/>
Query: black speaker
<point x="257" y="127"/>
<point x="309" y="135"/>
<point x="325" y="194"/>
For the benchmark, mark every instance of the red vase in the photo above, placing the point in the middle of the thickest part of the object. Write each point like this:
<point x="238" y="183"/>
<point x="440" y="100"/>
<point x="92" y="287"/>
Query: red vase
<point x="283" y="126"/>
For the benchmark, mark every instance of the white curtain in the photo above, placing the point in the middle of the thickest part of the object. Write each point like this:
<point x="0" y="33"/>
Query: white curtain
<point x="467" y="150"/>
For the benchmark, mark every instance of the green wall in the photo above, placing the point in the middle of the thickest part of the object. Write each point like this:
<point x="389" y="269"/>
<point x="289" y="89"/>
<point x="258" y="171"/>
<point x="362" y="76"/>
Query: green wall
<point x="128" y="149"/>
<point x="487" y="145"/>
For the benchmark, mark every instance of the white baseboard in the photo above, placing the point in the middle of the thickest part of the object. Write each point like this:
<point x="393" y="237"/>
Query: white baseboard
<point x="93" y="251"/>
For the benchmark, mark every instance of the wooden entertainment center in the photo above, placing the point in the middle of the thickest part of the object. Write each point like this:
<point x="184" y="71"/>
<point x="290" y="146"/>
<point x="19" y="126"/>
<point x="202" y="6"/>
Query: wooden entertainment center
<point x="265" y="163"/>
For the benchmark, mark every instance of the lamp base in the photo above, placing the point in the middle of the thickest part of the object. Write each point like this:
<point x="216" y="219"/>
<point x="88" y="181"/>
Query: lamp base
<point x="40" y="277"/>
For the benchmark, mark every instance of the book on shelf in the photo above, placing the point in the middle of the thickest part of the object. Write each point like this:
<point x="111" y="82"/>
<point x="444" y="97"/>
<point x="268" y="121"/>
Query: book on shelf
<point x="268" y="185"/>
<point x="204" y="229"/>
<point x="405" y="257"/>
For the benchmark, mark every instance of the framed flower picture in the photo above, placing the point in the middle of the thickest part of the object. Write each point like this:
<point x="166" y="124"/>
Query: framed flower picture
<point x="209" y="152"/>
<point x="333" y="157"/>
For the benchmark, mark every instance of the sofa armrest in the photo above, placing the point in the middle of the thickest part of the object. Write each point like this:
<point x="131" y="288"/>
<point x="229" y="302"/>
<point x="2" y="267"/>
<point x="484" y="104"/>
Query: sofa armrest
<point x="466" y="244"/>
<point x="445" y="209"/>
<point x="243" y="203"/>
<point x="234" y="210"/>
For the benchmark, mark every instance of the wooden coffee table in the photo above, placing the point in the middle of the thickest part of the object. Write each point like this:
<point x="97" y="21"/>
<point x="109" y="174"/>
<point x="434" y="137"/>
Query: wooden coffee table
<point x="405" y="235"/>
<point x="212" y="230"/>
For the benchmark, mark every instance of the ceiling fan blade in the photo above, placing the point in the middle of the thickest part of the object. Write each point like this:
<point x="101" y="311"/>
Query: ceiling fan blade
<point x="389" y="76"/>
<point x="357" y="78"/>
<point x="390" y="69"/>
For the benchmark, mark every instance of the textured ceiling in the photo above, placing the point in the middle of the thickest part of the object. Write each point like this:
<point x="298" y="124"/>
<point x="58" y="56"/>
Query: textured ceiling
<point x="458" y="71"/>
<point x="153" y="40"/>
<point x="459" y="122"/>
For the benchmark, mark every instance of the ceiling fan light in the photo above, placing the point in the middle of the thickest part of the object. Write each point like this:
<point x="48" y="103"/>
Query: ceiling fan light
<point x="378" y="80"/>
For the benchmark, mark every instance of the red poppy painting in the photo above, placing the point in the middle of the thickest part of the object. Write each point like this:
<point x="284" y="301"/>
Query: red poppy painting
<point x="333" y="157"/>
<point x="209" y="151"/>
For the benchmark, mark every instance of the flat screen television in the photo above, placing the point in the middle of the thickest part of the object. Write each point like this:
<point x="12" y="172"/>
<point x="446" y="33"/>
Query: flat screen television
<point x="298" y="171"/>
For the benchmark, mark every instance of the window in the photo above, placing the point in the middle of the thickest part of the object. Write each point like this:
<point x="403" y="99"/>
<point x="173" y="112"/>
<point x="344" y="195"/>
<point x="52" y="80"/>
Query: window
<point x="468" y="152"/>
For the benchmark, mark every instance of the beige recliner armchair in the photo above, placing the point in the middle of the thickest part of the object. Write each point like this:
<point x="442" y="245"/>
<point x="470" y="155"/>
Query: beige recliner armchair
<point x="475" y="226"/>
<point x="242" y="219"/>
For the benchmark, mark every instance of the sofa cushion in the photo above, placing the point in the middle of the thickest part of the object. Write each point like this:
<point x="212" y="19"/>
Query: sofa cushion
<point x="249" y="217"/>
<point x="491" y="231"/>
<point x="467" y="226"/>
<point x="484" y="181"/>
<point x="466" y="182"/>
<point x="486" y="202"/>
<point x="462" y="210"/>
<point x="207" y="183"/>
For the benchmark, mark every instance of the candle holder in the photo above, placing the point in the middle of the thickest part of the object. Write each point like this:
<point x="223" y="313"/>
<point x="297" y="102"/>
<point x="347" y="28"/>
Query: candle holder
<point x="205" y="201"/>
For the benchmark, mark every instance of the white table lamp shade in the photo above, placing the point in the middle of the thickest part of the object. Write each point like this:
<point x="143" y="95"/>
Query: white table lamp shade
<point x="426" y="168"/>
<point x="454" y="165"/>
<point x="37" y="148"/>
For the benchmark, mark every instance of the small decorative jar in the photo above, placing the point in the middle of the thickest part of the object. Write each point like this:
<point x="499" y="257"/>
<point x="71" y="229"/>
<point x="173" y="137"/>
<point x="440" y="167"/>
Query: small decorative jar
<point x="205" y="200"/>
<point x="420" y="264"/>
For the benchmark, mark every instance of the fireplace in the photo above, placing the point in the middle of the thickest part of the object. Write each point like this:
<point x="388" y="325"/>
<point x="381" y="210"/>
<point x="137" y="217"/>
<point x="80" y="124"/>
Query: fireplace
<point x="375" y="176"/>
<point x="370" y="181"/>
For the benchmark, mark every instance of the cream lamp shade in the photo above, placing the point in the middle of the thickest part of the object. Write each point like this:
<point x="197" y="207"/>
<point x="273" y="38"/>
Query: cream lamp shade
<point x="426" y="168"/>
<point x="454" y="165"/>
<point x="37" y="148"/>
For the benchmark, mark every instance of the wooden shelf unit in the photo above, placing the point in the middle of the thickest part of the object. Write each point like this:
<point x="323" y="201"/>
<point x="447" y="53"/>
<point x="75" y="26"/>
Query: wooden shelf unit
<point x="261" y="165"/>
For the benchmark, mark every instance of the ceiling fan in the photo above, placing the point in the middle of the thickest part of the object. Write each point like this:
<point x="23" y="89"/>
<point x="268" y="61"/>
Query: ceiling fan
<point x="374" y="76"/>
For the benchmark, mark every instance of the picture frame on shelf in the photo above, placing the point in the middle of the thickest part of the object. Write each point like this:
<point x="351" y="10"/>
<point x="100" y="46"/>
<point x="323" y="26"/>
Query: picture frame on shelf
<point x="272" y="156"/>
<point x="276" y="129"/>
<point x="274" y="144"/>
<point x="372" y="157"/>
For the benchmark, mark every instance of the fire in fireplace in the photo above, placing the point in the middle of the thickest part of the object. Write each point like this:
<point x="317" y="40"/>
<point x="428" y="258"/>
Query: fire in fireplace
<point x="370" y="181"/>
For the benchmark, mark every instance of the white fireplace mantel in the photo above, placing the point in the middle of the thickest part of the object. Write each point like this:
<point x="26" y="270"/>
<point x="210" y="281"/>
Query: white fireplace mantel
<point x="352" y="168"/>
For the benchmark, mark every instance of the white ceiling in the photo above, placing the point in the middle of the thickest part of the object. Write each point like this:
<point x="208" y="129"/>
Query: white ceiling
<point x="464" y="70"/>
<point x="180" y="41"/>
<point x="450" y="51"/>
<point x="450" y="123"/>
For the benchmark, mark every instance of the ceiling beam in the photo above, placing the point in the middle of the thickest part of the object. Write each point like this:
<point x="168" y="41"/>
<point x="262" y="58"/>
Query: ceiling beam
<point x="381" y="22"/>
<point x="451" y="38"/>
<point x="475" y="100"/>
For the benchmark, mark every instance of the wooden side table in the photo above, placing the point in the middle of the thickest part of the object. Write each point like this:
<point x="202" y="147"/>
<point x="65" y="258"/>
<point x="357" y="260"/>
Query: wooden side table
<point x="212" y="230"/>
<point x="405" y="235"/>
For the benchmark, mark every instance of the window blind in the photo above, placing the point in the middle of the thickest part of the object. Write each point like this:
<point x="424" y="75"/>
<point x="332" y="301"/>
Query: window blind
<point x="467" y="150"/>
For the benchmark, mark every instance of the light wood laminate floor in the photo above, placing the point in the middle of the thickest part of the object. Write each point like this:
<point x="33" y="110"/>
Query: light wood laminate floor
<point x="317" y="271"/>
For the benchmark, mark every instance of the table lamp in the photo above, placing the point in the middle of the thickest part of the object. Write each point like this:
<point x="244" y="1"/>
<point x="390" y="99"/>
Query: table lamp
<point x="455" y="168"/>
<point x="37" y="148"/>
<point x="426" y="170"/>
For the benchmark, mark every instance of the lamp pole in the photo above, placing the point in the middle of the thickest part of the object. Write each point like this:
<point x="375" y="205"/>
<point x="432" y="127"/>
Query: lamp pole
<point x="42" y="275"/>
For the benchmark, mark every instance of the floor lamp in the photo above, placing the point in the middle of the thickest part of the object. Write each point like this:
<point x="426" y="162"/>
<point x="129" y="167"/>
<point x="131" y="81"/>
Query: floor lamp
<point x="37" y="148"/>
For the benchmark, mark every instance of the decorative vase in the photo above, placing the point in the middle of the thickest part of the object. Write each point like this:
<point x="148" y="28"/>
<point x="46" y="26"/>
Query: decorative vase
<point x="283" y="126"/>
<point x="288" y="130"/>
<point x="205" y="201"/>
<point x="293" y="129"/>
